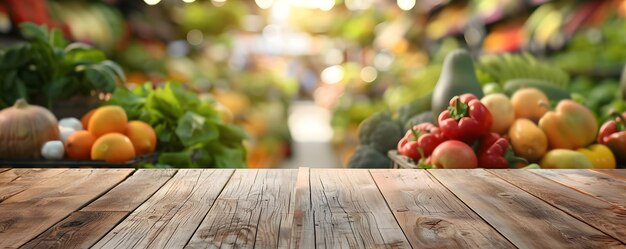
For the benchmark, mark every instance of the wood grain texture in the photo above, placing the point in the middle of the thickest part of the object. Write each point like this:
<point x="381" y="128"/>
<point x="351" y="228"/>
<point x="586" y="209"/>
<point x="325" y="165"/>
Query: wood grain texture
<point x="4" y="169"/>
<point x="131" y="193"/>
<point x="606" y="217"/>
<point x="430" y="215"/>
<point x="79" y="230"/>
<point x="84" y="228"/>
<point x="617" y="173"/>
<point x="17" y="174"/>
<point x="250" y="212"/>
<point x="350" y="212"/>
<point x="169" y="218"/>
<point x="29" y="213"/>
<point x="523" y="219"/>
<point x="303" y="228"/>
<point x="590" y="182"/>
<point x="17" y="180"/>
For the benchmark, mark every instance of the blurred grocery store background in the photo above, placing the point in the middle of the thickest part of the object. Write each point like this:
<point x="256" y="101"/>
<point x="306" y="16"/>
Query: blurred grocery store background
<point x="300" y="75"/>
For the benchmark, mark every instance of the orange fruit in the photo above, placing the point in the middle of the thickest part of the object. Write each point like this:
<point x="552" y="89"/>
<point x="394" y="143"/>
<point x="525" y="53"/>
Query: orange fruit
<point x="78" y="145"/>
<point x="107" y="119"/>
<point x="530" y="103"/>
<point x="85" y="119"/>
<point x="142" y="135"/>
<point x="113" y="148"/>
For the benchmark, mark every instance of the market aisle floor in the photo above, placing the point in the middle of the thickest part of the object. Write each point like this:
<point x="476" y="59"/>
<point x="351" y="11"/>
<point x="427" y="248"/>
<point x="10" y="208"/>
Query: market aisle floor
<point x="310" y="129"/>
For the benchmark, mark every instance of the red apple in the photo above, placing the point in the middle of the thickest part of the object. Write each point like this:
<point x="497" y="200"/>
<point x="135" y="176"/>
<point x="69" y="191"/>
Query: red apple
<point x="453" y="154"/>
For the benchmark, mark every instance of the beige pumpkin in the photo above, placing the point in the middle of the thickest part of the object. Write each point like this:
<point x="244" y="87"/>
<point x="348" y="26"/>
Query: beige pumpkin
<point x="24" y="129"/>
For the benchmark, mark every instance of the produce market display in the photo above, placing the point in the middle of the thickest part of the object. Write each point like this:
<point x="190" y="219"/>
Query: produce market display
<point x="537" y="125"/>
<point x="441" y="84"/>
<point x="167" y="121"/>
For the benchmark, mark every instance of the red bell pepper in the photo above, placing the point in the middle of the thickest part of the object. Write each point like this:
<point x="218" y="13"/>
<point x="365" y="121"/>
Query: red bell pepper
<point x="466" y="119"/>
<point x="420" y="141"/>
<point x="613" y="134"/>
<point x="492" y="151"/>
<point x="495" y="153"/>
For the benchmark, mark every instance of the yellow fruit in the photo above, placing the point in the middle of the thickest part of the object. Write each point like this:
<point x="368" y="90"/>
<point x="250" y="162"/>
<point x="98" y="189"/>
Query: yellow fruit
<point x="528" y="140"/>
<point x="142" y="136"/>
<point x="530" y="103"/>
<point x="78" y="145"/>
<point x="113" y="148"/>
<point x="107" y="119"/>
<point x="501" y="109"/>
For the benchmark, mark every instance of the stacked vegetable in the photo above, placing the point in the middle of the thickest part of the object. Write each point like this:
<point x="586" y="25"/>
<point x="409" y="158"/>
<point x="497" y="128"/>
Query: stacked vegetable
<point x="31" y="132"/>
<point x="535" y="125"/>
<point x="186" y="130"/>
<point x="191" y="132"/>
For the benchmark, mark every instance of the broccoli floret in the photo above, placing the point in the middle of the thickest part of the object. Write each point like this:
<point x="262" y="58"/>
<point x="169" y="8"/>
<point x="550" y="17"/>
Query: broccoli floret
<point x="380" y="131"/>
<point x="366" y="156"/>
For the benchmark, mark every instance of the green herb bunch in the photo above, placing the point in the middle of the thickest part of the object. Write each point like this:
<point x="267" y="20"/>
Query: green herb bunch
<point x="47" y="68"/>
<point x="190" y="131"/>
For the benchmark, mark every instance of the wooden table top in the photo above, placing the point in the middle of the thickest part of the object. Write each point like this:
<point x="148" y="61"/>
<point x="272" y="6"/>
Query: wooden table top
<point x="312" y="208"/>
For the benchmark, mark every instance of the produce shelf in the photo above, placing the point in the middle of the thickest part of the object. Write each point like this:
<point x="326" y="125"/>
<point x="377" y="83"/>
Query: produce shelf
<point x="42" y="163"/>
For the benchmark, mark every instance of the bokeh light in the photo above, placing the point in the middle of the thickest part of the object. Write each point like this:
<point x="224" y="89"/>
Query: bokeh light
<point x="152" y="2"/>
<point x="332" y="74"/>
<point x="406" y="4"/>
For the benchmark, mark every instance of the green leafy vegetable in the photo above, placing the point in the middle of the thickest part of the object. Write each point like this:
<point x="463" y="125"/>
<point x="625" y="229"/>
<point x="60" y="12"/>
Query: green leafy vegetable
<point x="46" y="69"/>
<point x="190" y="131"/>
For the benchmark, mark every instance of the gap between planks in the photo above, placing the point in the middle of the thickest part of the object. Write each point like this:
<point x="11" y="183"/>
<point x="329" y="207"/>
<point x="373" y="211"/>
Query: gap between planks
<point x="104" y="213"/>
<point x="343" y="208"/>
<point x="430" y="215"/>
<point x="52" y="200"/>
<point x="604" y="216"/>
<point x="589" y="182"/>
<point x="519" y="216"/>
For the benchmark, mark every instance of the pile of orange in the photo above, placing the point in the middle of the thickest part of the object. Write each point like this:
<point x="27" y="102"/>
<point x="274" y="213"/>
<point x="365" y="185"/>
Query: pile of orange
<point x="110" y="137"/>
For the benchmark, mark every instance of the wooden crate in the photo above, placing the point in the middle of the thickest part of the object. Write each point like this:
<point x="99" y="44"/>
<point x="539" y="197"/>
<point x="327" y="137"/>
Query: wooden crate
<point x="399" y="161"/>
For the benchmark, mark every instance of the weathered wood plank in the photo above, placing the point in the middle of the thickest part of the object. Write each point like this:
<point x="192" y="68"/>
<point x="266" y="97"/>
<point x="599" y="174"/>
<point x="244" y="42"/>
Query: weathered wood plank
<point x="604" y="216"/>
<point x="430" y="215"/>
<point x="523" y="219"/>
<point x="350" y="212"/>
<point x="303" y="232"/>
<point x="169" y="218"/>
<point x="29" y="213"/>
<point x="17" y="174"/>
<point x="617" y="173"/>
<point x="250" y="212"/>
<point x="133" y="192"/>
<point x="79" y="230"/>
<point x="84" y="228"/>
<point x="17" y="180"/>
<point x="589" y="182"/>
<point x="4" y="169"/>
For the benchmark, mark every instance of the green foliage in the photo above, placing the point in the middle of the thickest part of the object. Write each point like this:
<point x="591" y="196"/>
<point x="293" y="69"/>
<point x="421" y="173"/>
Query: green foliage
<point x="595" y="50"/>
<point x="46" y="69"/>
<point x="419" y="83"/>
<point x="504" y="67"/>
<point x="190" y="131"/>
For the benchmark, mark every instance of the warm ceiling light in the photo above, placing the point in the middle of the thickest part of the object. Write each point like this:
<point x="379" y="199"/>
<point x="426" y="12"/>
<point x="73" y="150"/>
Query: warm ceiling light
<point x="152" y="2"/>
<point x="264" y="4"/>
<point x="406" y="4"/>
